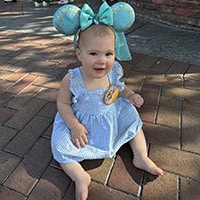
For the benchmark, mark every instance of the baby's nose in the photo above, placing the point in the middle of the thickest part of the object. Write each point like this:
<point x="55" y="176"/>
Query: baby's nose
<point x="102" y="59"/>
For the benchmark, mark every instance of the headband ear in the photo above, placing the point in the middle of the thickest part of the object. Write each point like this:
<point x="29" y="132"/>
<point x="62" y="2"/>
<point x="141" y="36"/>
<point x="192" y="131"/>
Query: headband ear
<point x="123" y="16"/>
<point x="66" y="19"/>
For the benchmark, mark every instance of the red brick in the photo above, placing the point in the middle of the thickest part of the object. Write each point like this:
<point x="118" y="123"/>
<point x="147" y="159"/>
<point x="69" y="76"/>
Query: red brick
<point x="146" y="63"/>
<point x="44" y="68"/>
<point x="4" y="52"/>
<point x="137" y="57"/>
<point x="4" y="84"/>
<point x="125" y="176"/>
<point x="70" y="194"/>
<point x="4" y="98"/>
<point x="11" y="60"/>
<point x="173" y="160"/>
<point x="101" y="192"/>
<point x="183" y="12"/>
<point x="164" y="80"/>
<point x="4" y="74"/>
<point x="52" y="185"/>
<point x="189" y="189"/>
<point x="18" y="52"/>
<point x="7" y="66"/>
<point x="193" y="73"/>
<point x="48" y="94"/>
<point x="48" y="82"/>
<point x="55" y="164"/>
<point x="177" y="68"/>
<point x="60" y="77"/>
<point x="126" y="71"/>
<point x="6" y="135"/>
<point x="49" y="110"/>
<point x="181" y="93"/>
<point x="8" y="163"/>
<point x="150" y="6"/>
<point x="98" y="169"/>
<point x="5" y="114"/>
<point x="30" y="91"/>
<point x="190" y="4"/>
<point x="7" y="194"/>
<point x="151" y="94"/>
<point x="20" y="85"/>
<point x="163" y="187"/>
<point x="62" y="55"/>
<point x="48" y="132"/>
<point x="166" y="9"/>
<point x="23" y="142"/>
<point x="148" y="113"/>
<point x="161" y="66"/>
<point x="191" y="126"/>
<point x="158" y="2"/>
<point x="174" y="11"/>
<point x="24" y="65"/>
<point x="168" y="17"/>
<point x="163" y="135"/>
<point x="192" y="84"/>
<point x="26" y="175"/>
<point x="22" y="117"/>
<point x="18" y="102"/>
<point x="135" y="81"/>
<point x="172" y="2"/>
<point x="187" y="21"/>
<point x="169" y="112"/>
<point x="16" y="76"/>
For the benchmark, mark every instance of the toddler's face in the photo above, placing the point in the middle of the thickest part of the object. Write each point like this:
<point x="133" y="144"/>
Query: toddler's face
<point x="97" y="53"/>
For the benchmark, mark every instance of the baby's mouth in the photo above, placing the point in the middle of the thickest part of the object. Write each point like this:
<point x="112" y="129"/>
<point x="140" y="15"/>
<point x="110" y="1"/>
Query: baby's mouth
<point x="99" y="69"/>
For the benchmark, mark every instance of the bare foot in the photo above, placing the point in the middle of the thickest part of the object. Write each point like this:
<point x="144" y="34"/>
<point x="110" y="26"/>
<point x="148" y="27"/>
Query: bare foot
<point x="82" y="186"/>
<point x="145" y="163"/>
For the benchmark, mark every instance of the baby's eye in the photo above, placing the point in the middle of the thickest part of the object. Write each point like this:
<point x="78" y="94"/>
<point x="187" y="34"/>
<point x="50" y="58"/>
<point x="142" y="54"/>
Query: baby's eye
<point x="93" y="53"/>
<point x="109" y="54"/>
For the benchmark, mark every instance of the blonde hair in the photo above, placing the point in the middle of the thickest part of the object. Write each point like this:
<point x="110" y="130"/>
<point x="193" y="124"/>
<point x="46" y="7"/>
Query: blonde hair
<point x="97" y="30"/>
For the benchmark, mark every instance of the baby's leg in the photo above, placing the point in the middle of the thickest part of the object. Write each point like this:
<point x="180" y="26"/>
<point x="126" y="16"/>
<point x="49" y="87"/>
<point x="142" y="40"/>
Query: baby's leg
<point x="141" y="159"/>
<point x="80" y="177"/>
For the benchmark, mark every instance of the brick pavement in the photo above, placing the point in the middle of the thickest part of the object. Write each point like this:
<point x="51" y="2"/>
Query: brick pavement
<point x="31" y="68"/>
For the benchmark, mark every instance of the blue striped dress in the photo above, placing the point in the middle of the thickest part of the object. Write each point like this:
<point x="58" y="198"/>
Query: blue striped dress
<point x="109" y="126"/>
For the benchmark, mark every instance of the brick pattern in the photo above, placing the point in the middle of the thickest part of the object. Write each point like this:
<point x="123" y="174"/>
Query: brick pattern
<point x="52" y="185"/>
<point x="181" y="12"/>
<point x="28" y="90"/>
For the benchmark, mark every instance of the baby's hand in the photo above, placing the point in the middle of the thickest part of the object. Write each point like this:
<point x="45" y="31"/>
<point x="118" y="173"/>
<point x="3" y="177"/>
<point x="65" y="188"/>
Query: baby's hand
<point x="136" y="100"/>
<point x="79" y="136"/>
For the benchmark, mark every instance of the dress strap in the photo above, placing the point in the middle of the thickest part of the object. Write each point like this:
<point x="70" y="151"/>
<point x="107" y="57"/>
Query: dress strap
<point x="115" y="75"/>
<point x="76" y="80"/>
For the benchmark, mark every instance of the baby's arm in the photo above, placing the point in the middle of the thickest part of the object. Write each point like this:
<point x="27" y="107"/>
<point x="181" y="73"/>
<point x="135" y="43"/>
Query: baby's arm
<point x="134" y="98"/>
<point x="64" y="101"/>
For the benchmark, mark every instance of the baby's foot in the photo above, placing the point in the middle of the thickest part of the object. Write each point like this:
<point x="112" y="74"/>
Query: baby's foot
<point x="82" y="186"/>
<point x="145" y="163"/>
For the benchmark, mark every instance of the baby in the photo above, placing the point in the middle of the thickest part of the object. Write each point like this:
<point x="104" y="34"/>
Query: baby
<point x="96" y="111"/>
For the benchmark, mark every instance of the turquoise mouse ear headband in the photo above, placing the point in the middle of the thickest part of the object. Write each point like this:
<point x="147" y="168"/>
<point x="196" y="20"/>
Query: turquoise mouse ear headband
<point x="70" y="20"/>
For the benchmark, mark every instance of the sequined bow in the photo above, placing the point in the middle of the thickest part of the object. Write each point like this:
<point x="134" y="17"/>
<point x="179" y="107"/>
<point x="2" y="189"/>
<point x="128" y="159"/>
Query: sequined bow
<point x="87" y="16"/>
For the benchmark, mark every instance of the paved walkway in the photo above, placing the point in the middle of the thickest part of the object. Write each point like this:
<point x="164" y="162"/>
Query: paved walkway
<point x="33" y="60"/>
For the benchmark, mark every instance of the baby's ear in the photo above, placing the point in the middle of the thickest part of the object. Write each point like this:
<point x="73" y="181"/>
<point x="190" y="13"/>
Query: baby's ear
<point x="66" y="19"/>
<point x="78" y="53"/>
<point x="123" y="16"/>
